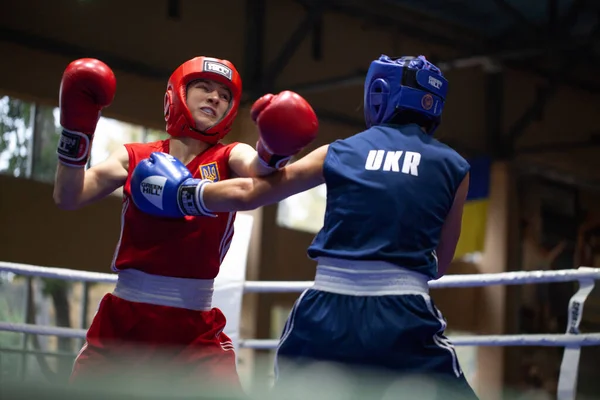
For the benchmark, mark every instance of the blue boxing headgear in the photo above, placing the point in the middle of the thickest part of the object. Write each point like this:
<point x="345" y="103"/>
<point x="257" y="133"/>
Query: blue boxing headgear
<point x="404" y="84"/>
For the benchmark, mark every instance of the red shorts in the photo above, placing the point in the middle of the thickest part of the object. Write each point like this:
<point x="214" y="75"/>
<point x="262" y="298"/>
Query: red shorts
<point x="153" y="342"/>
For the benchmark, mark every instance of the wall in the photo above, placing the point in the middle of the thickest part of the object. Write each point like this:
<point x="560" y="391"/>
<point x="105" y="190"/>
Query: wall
<point x="35" y="231"/>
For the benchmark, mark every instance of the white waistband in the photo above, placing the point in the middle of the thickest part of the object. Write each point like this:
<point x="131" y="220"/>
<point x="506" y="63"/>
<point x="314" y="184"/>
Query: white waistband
<point x="140" y="287"/>
<point x="365" y="278"/>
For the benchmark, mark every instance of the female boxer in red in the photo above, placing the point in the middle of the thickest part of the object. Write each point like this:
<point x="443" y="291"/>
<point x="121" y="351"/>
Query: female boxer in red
<point x="160" y="317"/>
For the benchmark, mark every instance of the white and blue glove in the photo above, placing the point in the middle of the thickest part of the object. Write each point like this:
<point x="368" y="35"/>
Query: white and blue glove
<point x="163" y="186"/>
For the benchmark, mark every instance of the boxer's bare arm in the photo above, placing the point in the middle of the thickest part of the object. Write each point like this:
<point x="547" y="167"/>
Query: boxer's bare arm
<point x="244" y="162"/>
<point x="249" y="193"/>
<point x="451" y="229"/>
<point x="76" y="187"/>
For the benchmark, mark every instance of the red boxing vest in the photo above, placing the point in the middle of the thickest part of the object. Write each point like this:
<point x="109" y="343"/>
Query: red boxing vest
<point x="189" y="247"/>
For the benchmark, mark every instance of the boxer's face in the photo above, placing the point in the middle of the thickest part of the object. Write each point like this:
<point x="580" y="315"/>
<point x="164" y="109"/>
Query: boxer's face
<point x="207" y="101"/>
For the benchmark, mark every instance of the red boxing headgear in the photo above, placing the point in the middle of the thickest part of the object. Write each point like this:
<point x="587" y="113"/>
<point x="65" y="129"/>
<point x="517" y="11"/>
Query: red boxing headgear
<point x="177" y="115"/>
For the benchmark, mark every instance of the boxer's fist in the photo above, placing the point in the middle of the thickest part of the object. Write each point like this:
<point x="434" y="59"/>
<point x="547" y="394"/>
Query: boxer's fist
<point x="87" y="86"/>
<point x="259" y="105"/>
<point x="163" y="186"/>
<point x="286" y="124"/>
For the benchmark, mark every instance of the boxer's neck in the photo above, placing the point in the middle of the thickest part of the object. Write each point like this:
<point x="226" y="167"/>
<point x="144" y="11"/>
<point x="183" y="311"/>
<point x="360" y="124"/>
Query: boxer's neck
<point x="186" y="148"/>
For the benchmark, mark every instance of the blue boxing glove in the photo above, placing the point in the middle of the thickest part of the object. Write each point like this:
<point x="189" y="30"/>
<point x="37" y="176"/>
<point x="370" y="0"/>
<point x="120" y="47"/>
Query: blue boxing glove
<point x="162" y="186"/>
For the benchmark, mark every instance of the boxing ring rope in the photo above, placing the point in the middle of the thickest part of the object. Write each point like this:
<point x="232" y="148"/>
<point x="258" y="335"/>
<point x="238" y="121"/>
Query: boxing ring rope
<point x="552" y="340"/>
<point x="572" y="340"/>
<point x="470" y="280"/>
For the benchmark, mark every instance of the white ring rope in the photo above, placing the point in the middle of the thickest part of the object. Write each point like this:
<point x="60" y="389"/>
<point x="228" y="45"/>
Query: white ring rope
<point x="470" y="280"/>
<point x="547" y="340"/>
<point x="57" y="273"/>
<point x="33" y="329"/>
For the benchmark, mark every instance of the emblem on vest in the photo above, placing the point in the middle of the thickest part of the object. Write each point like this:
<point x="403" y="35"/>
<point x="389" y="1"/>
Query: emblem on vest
<point x="210" y="171"/>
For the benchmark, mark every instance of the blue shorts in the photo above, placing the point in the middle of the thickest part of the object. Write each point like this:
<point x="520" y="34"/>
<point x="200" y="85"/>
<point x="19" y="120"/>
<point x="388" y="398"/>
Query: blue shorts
<point x="401" y="334"/>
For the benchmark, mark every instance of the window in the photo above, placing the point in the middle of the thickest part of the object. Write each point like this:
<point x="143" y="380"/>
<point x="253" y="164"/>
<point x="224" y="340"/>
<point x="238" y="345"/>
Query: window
<point x="15" y="136"/>
<point x="45" y="140"/>
<point x="304" y="211"/>
<point x="29" y="134"/>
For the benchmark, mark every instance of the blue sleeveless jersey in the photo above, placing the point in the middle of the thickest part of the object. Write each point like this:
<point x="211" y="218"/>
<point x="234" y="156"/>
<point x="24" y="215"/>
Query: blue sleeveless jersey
<point x="389" y="190"/>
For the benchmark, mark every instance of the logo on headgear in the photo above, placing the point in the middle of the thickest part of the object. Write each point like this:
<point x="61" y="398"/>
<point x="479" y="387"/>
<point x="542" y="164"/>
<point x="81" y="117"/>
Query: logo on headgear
<point x="212" y="66"/>
<point x="210" y="171"/>
<point x="427" y="102"/>
<point x="436" y="83"/>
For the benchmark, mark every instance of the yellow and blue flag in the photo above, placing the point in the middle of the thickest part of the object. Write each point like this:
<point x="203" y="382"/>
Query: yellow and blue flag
<point x="472" y="234"/>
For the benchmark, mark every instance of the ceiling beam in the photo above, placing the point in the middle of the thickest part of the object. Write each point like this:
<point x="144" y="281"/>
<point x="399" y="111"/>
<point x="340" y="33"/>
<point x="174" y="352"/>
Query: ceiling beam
<point x="72" y="51"/>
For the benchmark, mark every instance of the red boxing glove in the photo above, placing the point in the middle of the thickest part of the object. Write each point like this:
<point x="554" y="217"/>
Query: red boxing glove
<point x="286" y="124"/>
<point x="87" y="86"/>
